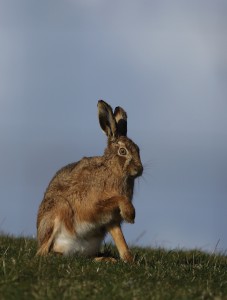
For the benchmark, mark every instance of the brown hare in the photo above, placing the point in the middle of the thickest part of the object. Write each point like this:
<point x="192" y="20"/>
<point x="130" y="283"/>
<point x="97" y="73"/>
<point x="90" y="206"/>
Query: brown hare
<point x="91" y="197"/>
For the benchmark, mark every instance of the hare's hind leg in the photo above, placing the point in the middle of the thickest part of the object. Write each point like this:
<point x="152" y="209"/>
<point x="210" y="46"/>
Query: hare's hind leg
<point x="51" y="223"/>
<point x="47" y="231"/>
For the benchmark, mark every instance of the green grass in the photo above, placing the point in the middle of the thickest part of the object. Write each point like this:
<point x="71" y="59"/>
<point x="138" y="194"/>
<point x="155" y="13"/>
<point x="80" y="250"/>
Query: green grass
<point x="156" y="274"/>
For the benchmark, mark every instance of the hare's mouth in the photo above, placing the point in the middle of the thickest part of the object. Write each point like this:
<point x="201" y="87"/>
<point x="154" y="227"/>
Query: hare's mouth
<point x="136" y="171"/>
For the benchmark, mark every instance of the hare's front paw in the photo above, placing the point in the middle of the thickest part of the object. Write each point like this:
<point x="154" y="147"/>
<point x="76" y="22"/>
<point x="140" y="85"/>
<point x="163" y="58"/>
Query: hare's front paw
<point x="127" y="257"/>
<point x="127" y="212"/>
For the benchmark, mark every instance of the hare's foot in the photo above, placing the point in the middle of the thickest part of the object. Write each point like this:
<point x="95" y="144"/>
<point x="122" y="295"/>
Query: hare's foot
<point x="105" y="259"/>
<point x="127" y="257"/>
<point x="44" y="249"/>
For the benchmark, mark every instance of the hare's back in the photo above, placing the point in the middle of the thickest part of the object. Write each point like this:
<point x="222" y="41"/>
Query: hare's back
<point x="75" y="176"/>
<point x="66" y="170"/>
<point x="76" y="168"/>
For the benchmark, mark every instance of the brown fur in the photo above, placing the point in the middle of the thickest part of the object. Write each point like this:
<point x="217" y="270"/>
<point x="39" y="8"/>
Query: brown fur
<point x="95" y="190"/>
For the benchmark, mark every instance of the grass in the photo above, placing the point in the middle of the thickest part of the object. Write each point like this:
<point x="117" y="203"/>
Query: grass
<point x="156" y="274"/>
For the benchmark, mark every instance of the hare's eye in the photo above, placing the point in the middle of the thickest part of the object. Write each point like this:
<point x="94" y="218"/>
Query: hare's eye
<point x="122" y="151"/>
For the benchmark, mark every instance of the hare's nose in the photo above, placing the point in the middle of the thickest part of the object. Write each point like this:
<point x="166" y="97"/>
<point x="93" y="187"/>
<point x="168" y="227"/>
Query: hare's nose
<point x="140" y="170"/>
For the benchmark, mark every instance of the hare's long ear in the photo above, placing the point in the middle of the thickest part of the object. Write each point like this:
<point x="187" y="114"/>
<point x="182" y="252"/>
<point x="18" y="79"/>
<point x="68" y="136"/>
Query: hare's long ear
<point x="106" y="119"/>
<point x="121" y="119"/>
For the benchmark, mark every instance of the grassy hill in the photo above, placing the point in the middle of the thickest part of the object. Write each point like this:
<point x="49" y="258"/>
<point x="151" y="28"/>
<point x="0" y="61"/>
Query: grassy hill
<point x="156" y="274"/>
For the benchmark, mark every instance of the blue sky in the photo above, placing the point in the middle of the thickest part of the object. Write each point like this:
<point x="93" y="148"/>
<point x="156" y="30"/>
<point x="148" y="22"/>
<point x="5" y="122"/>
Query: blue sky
<point x="165" y="62"/>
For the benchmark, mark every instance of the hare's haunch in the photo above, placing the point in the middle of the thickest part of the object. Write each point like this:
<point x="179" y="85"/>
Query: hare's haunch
<point x="89" y="198"/>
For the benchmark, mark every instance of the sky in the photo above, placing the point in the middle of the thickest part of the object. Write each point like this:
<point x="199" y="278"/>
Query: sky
<point x="164" y="62"/>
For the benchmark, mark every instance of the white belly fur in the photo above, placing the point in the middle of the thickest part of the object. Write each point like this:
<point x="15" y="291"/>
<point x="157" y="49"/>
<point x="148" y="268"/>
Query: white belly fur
<point x="85" y="242"/>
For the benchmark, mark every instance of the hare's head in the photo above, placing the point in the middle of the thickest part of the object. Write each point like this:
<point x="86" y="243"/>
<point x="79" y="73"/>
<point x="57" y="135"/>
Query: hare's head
<point x="121" y="151"/>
